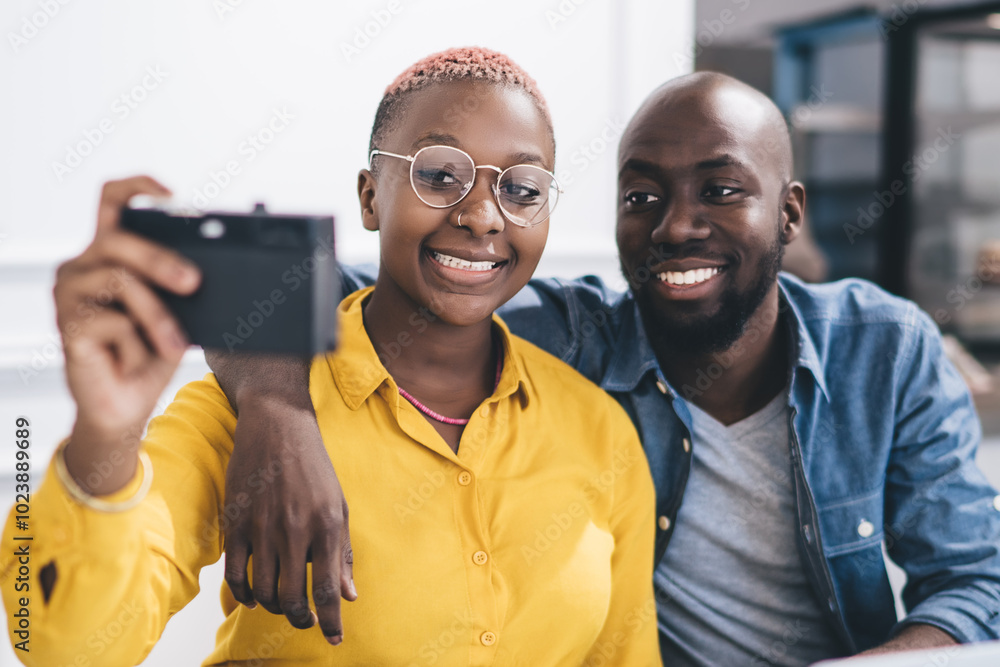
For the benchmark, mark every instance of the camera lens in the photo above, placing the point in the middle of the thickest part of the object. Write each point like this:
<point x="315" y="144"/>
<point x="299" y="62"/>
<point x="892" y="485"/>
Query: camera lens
<point x="212" y="229"/>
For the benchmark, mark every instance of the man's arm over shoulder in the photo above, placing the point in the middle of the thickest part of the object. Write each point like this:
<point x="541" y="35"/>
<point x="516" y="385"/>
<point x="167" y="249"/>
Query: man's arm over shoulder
<point x="574" y="320"/>
<point x="943" y="514"/>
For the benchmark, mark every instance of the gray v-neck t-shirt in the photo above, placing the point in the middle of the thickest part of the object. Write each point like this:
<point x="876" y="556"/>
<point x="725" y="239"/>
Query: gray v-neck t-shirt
<point x="738" y="593"/>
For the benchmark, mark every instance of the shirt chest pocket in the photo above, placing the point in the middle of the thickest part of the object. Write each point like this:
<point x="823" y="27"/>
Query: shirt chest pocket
<point x="851" y="525"/>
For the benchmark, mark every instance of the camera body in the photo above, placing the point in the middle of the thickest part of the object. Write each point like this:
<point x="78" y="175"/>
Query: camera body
<point x="270" y="283"/>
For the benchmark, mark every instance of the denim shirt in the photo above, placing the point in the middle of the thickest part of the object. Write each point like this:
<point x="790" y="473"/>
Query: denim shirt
<point x="883" y="440"/>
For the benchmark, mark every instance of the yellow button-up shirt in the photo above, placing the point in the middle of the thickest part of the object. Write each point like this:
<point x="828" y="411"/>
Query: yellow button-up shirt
<point x="531" y="546"/>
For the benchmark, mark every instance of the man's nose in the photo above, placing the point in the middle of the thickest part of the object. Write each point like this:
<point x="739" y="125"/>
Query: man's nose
<point x="682" y="221"/>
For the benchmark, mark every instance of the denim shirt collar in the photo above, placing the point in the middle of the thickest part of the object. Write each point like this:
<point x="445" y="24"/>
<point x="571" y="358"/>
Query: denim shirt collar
<point x="631" y="363"/>
<point x="806" y="355"/>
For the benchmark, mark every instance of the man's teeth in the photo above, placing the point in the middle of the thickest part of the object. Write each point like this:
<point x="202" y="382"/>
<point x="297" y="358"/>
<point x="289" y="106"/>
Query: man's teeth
<point x="464" y="264"/>
<point x="692" y="277"/>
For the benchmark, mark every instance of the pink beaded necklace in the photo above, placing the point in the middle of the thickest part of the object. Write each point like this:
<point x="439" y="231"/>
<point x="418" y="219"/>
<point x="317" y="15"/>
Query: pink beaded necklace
<point x="436" y="416"/>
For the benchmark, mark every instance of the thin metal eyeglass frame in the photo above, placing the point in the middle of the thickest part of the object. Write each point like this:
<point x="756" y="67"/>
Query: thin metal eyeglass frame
<point x="493" y="186"/>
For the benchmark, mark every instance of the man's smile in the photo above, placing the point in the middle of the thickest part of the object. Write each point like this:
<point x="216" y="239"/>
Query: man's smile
<point x="690" y="277"/>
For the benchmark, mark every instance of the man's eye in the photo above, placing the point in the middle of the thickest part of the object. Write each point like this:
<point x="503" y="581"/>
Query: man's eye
<point x="717" y="191"/>
<point x="640" y="199"/>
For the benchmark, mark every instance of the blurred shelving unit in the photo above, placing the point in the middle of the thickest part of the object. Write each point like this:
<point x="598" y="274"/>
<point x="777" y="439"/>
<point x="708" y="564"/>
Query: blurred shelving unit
<point x="829" y="81"/>
<point x="895" y="118"/>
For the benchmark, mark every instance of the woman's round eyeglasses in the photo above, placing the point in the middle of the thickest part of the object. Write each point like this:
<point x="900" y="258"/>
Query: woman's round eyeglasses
<point x="441" y="176"/>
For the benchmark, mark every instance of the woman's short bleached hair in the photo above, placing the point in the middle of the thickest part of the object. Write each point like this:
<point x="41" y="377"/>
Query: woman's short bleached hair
<point x="470" y="63"/>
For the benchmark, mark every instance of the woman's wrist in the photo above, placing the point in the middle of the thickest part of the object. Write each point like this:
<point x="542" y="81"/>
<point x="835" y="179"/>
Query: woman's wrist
<point x="100" y="461"/>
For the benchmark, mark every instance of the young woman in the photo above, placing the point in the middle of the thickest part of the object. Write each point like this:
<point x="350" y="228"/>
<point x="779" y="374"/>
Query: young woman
<point x="505" y="504"/>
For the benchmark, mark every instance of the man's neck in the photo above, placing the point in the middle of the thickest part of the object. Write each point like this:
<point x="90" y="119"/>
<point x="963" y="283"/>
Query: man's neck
<point x="735" y="383"/>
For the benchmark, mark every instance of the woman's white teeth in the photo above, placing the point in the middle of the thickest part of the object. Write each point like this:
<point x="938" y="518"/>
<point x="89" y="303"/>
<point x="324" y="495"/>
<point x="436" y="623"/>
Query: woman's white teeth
<point x="464" y="264"/>
<point x="692" y="277"/>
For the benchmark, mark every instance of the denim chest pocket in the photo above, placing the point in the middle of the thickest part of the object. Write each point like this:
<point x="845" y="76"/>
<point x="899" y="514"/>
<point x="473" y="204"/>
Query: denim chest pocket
<point x="851" y="525"/>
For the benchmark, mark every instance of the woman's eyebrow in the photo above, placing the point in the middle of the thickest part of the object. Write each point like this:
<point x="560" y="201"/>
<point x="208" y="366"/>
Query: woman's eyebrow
<point x="445" y="139"/>
<point x="527" y="158"/>
<point x="436" y="139"/>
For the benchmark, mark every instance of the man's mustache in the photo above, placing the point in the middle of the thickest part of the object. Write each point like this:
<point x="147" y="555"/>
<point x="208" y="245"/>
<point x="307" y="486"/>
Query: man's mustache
<point x="663" y="252"/>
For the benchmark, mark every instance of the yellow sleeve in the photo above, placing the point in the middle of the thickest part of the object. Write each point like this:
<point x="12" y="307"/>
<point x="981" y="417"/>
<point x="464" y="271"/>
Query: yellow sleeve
<point x="630" y="635"/>
<point x="121" y="576"/>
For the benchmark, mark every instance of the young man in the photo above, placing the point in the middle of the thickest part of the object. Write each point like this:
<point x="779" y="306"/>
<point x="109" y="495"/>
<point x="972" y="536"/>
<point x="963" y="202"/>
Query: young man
<point x="792" y="430"/>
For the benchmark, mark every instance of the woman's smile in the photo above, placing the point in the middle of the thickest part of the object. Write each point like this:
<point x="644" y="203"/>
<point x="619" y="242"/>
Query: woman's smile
<point x="466" y="268"/>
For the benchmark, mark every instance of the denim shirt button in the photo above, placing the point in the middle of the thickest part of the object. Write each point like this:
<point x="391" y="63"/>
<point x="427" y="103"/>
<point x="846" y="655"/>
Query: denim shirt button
<point x="687" y="449"/>
<point x="662" y="386"/>
<point x="807" y="533"/>
<point x="996" y="503"/>
<point x="866" y="528"/>
<point x="832" y="604"/>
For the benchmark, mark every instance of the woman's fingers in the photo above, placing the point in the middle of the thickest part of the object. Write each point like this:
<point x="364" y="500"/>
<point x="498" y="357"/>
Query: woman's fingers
<point x="116" y="194"/>
<point x="80" y="299"/>
<point x="141" y="258"/>
<point x="107" y="340"/>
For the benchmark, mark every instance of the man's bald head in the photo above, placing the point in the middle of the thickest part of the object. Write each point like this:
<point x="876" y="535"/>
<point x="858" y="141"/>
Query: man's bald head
<point x="706" y="205"/>
<point x="712" y="97"/>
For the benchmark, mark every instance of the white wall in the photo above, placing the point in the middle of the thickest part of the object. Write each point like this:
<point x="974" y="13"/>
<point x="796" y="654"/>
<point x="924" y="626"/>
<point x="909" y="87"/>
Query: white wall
<point x="222" y="67"/>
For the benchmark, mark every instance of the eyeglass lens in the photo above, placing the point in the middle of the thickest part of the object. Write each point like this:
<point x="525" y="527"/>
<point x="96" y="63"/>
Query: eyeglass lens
<point x="442" y="176"/>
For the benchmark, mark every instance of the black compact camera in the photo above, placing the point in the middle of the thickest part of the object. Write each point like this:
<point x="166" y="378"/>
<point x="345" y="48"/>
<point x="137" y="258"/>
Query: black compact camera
<point x="269" y="282"/>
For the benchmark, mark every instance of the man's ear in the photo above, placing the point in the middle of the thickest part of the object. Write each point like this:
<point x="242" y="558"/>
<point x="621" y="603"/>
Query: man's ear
<point x="366" y="196"/>
<point x="793" y="211"/>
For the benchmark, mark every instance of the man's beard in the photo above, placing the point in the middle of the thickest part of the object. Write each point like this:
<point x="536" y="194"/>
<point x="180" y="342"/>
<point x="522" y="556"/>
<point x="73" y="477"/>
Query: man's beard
<point x="716" y="332"/>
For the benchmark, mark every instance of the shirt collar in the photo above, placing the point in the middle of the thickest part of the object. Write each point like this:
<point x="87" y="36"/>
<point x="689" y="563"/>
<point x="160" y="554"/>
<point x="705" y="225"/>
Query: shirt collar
<point x="359" y="372"/>
<point x="633" y="356"/>
<point x="632" y="361"/>
<point x="806" y="355"/>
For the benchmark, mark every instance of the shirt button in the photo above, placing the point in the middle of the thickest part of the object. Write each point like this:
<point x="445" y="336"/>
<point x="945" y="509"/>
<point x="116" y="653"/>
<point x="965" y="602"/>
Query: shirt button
<point x="664" y="523"/>
<point x="488" y="638"/>
<point x="662" y="386"/>
<point x="464" y="478"/>
<point x="480" y="558"/>
<point x="687" y="445"/>
<point x="866" y="528"/>
<point x="807" y="533"/>
<point x="996" y="503"/>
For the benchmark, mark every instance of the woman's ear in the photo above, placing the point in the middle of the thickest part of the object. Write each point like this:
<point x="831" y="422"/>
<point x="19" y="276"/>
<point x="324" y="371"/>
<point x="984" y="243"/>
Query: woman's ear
<point x="366" y="196"/>
<point x="793" y="211"/>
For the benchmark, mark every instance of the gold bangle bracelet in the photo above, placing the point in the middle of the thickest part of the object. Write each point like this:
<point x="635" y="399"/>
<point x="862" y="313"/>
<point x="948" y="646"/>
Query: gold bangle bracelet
<point x="93" y="502"/>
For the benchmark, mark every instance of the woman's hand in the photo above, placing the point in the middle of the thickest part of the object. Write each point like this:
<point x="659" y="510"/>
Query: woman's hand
<point x="122" y="344"/>
<point x="283" y="500"/>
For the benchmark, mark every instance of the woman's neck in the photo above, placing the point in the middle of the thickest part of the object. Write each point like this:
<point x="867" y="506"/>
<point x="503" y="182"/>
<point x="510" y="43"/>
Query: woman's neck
<point x="439" y="363"/>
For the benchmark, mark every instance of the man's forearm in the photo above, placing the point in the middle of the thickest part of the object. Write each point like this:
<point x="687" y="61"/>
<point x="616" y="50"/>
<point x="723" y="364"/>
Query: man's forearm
<point x="246" y="377"/>
<point x="914" y="638"/>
